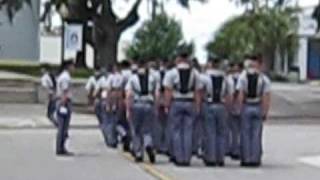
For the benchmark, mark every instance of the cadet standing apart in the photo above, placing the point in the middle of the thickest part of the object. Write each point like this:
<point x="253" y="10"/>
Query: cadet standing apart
<point x="141" y="93"/>
<point x="48" y="81"/>
<point x="64" y="107"/>
<point x="180" y="84"/>
<point x="218" y="93"/>
<point x="254" y="97"/>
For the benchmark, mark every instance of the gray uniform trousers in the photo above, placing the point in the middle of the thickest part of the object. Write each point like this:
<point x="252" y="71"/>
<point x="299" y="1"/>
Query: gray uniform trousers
<point x="197" y="138"/>
<point x="161" y="134"/>
<point x="234" y="134"/>
<point x="63" y="122"/>
<point x="251" y="133"/>
<point x="215" y="133"/>
<point x="142" y="123"/>
<point x="51" y="109"/>
<point x="109" y="125"/>
<point x="182" y="115"/>
<point x="99" y="109"/>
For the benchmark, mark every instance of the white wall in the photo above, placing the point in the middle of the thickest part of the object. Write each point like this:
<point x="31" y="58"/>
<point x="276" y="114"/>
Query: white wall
<point x="50" y="51"/>
<point x="303" y="57"/>
<point x="20" y="40"/>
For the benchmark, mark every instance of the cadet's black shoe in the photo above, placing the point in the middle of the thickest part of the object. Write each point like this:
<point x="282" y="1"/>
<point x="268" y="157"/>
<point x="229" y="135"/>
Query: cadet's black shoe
<point x="182" y="164"/>
<point x="210" y="164"/>
<point x="229" y="154"/>
<point x="126" y="144"/>
<point x="138" y="159"/>
<point x="220" y="164"/>
<point x="162" y="152"/>
<point x="64" y="153"/>
<point x="245" y="164"/>
<point x="235" y="157"/>
<point x="255" y="164"/>
<point x="113" y="146"/>
<point x="151" y="154"/>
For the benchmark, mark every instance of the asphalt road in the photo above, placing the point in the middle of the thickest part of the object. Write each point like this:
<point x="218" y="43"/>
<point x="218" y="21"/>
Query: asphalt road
<point x="290" y="152"/>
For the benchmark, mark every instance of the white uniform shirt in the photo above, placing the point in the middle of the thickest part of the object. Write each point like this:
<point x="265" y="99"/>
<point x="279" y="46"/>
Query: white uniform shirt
<point x="264" y="84"/>
<point x="172" y="80"/>
<point x="46" y="82"/>
<point x="126" y="73"/>
<point x="115" y="81"/>
<point x="227" y="85"/>
<point x="133" y="86"/>
<point x="64" y="84"/>
<point x="91" y="84"/>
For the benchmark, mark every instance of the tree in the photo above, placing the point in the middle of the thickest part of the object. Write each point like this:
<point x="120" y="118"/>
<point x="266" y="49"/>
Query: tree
<point x="270" y="31"/>
<point x="107" y="27"/>
<point x="161" y="37"/>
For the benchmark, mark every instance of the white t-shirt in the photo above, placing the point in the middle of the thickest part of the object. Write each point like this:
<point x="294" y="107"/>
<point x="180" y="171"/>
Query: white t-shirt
<point x="64" y="84"/>
<point x="46" y="81"/>
<point x="91" y="84"/>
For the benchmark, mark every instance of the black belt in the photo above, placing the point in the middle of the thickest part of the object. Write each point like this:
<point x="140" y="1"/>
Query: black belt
<point x="218" y="103"/>
<point x="252" y="103"/>
<point x="184" y="99"/>
<point x="144" y="101"/>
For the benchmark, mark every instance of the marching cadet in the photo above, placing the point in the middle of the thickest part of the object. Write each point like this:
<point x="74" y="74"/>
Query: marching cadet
<point x="254" y="98"/>
<point x="141" y="93"/>
<point x="114" y="102"/>
<point x="218" y="93"/>
<point x="124" y="128"/>
<point x="180" y="84"/>
<point x="198" y="123"/>
<point x="64" y="107"/>
<point x="234" y="115"/>
<point x="100" y="95"/>
<point x="91" y="85"/>
<point x="161" y="137"/>
<point x="48" y="81"/>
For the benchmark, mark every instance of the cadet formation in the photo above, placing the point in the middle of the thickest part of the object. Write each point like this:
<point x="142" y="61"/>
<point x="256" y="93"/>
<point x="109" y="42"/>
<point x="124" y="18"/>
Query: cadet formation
<point x="171" y="107"/>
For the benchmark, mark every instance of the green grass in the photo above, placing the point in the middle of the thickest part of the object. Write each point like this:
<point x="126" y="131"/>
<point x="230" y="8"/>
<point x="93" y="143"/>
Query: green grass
<point x="34" y="69"/>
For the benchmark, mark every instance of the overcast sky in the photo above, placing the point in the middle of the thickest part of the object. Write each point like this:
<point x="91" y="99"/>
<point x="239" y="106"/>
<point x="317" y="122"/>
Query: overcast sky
<point x="199" y="22"/>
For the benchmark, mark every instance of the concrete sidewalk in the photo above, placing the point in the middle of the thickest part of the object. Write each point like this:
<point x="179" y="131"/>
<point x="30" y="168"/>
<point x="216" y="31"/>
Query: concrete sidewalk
<point x="295" y="101"/>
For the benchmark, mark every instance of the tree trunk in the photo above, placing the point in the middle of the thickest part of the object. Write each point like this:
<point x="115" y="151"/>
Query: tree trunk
<point x="107" y="53"/>
<point x="107" y="46"/>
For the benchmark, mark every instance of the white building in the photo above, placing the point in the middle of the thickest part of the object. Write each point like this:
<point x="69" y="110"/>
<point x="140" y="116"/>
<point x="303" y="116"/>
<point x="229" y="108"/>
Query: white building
<point x="19" y="40"/>
<point x="308" y="55"/>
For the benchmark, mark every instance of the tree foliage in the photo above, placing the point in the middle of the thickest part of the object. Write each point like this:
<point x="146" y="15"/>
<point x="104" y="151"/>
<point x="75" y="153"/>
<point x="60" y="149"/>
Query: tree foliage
<point x="161" y="37"/>
<point x="107" y="27"/>
<point x="269" y="31"/>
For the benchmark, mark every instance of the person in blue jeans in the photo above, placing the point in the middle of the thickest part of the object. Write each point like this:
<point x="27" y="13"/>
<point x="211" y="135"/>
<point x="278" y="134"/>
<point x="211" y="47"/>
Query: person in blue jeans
<point x="254" y="98"/>
<point x="218" y="90"/>
<point x="141" y="91"/>
<point x="64" y="107"/>
<point x="180" y="86"/>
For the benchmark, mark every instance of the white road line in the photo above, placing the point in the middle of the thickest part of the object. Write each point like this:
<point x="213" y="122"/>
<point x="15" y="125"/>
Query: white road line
<point x="311" y="160"/>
